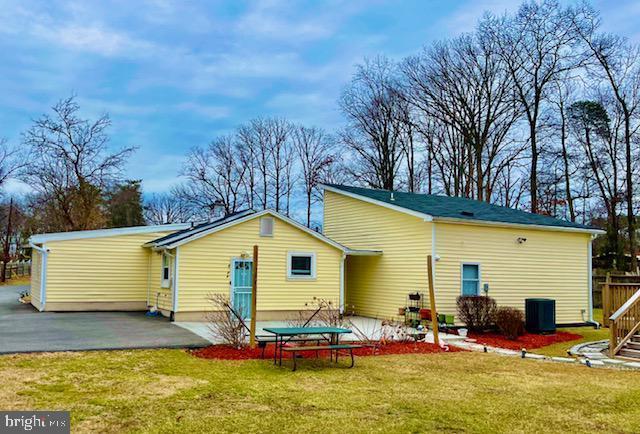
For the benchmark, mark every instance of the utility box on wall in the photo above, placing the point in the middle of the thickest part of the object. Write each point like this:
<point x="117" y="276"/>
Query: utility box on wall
<point x="540" y="315"/>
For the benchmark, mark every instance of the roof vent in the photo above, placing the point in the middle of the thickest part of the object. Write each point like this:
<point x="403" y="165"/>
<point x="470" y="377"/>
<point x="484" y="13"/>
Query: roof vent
<point x="467" y="213"/>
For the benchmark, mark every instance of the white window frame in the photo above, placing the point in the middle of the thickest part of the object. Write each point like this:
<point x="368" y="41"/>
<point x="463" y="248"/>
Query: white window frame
<point x="312" y="255"/>
<point x="165" y="283"/>
<point x="479" y="265"/>
<point x="273" y="226"/>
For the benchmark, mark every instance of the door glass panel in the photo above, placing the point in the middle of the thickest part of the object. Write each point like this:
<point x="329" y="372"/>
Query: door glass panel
<point x="470" y="271"/>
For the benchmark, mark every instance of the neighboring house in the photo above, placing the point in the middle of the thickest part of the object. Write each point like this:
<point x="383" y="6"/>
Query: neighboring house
<point x="177" y="268"/>
<point x="515" y="254"/>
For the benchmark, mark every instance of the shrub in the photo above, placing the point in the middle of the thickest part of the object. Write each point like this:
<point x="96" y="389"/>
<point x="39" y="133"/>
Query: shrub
<point x="510" y="322"/>
<point x="224" y="322"/>
<point x="476" y="311"/>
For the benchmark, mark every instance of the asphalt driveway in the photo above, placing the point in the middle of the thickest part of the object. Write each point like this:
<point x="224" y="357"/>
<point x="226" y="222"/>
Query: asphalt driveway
<point x="24" y="329"/>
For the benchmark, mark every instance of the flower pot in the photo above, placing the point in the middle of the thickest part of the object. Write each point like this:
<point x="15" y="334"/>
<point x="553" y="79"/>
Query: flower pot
<point x="425" y="314"/>
<point x="401" y="311"/>
<point x="415" y="296"/>
<point x="414" y="309"/>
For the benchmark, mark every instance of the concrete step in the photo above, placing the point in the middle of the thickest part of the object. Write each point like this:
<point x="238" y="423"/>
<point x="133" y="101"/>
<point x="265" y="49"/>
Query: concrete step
<point x="627" y="352"/>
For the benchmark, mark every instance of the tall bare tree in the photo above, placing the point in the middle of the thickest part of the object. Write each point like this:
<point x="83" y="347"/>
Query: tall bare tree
<point x="314" y="148"/>
<point x="618" y="65"/>
<point x="375" y="129"/>
<point x="214" y="177"/>
<point x="538" y="46"/>
<point x="70" y="164"/>
<point x="164" y="208"/>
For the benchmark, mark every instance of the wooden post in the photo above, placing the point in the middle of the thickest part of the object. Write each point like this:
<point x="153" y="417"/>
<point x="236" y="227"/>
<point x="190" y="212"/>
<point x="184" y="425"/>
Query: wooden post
<point x="254" y="295"/>
<point x="432" y="301"/>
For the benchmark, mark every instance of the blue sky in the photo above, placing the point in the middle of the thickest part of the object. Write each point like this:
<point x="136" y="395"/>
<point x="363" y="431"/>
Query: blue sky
<point x="174" y="74"/>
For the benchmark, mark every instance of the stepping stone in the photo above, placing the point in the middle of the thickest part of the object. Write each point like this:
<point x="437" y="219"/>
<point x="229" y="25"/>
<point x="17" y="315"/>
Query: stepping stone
<point x="563" y="359"/>
<point x="614" y="361"/>
<point x="534" y="356"/>
<point x="634" y="365"/>
<point x="505" y="352"/>
<point x="594" y="356"/>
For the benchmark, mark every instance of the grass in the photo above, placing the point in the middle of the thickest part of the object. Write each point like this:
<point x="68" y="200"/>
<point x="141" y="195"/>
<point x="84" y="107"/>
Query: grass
<point x="171" y="391"/>
<point x="26" y="280"/>
<point x="589" y="334"/>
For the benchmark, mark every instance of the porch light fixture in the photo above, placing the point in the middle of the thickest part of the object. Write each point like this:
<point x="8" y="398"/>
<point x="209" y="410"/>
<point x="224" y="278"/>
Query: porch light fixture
<point x="521" y="240"/>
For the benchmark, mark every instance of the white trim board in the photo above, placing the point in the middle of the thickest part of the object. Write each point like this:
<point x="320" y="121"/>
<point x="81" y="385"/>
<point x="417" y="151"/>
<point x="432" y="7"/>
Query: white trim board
<point x="99" y="233"/>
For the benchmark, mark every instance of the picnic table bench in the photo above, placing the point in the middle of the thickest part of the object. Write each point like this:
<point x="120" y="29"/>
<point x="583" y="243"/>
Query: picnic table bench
<point x="317" y="348"/>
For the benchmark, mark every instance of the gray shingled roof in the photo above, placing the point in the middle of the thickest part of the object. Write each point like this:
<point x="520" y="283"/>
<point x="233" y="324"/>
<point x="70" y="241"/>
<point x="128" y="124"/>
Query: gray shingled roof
<point x="186" y="233"/>
<point x="446" y="207"/>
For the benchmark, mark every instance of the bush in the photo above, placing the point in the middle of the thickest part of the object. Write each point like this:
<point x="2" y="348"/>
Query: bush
<point x="510" y="322"/>
<point x="476" y="311"/>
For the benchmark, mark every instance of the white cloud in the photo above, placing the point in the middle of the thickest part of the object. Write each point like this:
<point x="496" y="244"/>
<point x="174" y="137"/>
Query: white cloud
<point x="205" y="110"/>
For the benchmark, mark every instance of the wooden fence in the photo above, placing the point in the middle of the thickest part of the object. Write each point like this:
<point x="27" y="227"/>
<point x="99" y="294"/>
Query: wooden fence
<point x="616" y="290"/>
<point x="17" y="269"/>
<point x="598" y="281"/>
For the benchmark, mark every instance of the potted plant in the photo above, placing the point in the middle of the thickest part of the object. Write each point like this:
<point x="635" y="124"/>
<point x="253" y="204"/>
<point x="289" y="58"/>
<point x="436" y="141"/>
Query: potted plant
<point x="425" y="314"/>
<point x="415" y="296"/>
<point x="401" y="311"/>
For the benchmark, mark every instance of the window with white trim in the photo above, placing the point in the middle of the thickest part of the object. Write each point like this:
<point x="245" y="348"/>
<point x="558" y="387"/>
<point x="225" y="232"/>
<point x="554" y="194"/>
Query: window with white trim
<point x="166" y="271"/>
<point x="470" y="279"/>
<point x="301" y="265"/>
<point x="266" y="227"/>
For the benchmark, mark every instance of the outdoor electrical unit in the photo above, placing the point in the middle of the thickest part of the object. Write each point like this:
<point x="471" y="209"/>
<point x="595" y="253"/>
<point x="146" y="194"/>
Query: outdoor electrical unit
<point x="540" y="315"/>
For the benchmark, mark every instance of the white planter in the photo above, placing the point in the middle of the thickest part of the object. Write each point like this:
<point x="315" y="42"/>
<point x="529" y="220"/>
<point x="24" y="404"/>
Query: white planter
<point x="462" y="332"/>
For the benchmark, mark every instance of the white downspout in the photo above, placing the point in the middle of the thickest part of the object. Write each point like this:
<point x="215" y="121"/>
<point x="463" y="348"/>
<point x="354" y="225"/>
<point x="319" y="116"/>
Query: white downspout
<point x="43" y="273"/>
<point x="342" y="265"/>
<point x="434" y="252"/>
<point x="590" y="282"/>
<point x="176" y="264"/>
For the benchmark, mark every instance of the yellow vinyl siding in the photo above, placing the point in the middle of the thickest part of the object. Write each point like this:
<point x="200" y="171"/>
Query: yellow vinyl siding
<point x="36" y="264"/>
<point x="104" y="269"/>
<point x="378" y="285"/>
<point x="204" y="266"/>
<point x="550" y="264"/>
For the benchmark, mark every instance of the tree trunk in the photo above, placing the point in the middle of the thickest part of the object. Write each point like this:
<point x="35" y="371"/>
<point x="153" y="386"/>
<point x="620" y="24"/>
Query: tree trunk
<point x="7" y="239"/>
<point x="630" y="214"/>
<point x="534" y="169"/>
<point x="565" y="159"/>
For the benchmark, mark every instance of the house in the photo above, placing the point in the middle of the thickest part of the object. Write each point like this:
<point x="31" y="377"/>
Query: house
<point x="511" y="254"/>
<point x="177" y="268"/>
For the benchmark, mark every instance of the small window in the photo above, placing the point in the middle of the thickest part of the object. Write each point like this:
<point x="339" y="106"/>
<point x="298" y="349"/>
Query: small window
<point x="301" y="265"/>
<point x="166" y="271"/>
<point x="266" y="227"/>
<point x="470" y="279"/>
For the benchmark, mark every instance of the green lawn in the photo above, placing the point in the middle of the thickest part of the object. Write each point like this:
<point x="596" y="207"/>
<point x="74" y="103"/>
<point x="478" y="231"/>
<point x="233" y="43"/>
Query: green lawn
<point x="171" y="391"/>
<point x="589" y="334"/>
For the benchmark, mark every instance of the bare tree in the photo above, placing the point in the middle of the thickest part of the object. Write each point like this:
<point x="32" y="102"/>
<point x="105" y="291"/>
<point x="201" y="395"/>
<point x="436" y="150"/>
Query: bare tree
<point x="314" y="148"/>
<point x="214" y="176"/>
<point x="165" y="208"/>
<point x="618" y="65"/>
<point x="11" y="161"/>
<point x="375" y="130"/>
<point x="538" y="46"/>
<point x="70" y="164"/>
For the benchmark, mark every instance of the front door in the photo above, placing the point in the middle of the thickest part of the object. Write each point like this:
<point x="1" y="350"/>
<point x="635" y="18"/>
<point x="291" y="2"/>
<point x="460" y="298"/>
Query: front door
<point x="241" y="281"/>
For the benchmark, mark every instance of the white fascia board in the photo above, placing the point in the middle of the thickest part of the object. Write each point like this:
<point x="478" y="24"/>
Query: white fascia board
<point x="425" y="217"/>
<point x="253" y="216"/>
<point x="364" y="252"/>
<point x="517" y="225"/>
<point x="99" y="233"/>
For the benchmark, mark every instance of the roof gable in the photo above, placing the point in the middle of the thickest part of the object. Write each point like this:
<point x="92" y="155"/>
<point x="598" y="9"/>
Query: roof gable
<point x="186" y="236"/>
<point x="456" y="209"/>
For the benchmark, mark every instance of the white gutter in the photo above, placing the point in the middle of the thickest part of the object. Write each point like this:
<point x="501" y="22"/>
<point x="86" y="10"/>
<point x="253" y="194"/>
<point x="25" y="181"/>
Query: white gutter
<point x="342" y="265"/>
<point x="43" y="273"/>
<point x="518" y="225"/>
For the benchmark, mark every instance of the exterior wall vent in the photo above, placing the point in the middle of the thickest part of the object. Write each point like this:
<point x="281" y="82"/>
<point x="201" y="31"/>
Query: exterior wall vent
<point x="266" y="227"/>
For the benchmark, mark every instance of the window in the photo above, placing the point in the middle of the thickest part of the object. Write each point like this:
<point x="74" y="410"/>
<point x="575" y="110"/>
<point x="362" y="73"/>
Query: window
<point x="470" y="279"/>
<point x="166" y="271"/>
<point x="301" y="265"/>
<point x="266" y="227"/>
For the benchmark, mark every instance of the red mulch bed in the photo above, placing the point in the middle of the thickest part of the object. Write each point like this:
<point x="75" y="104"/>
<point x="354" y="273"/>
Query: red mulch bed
<point x="527" y="341"/>
<point x="226" y="352"/>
